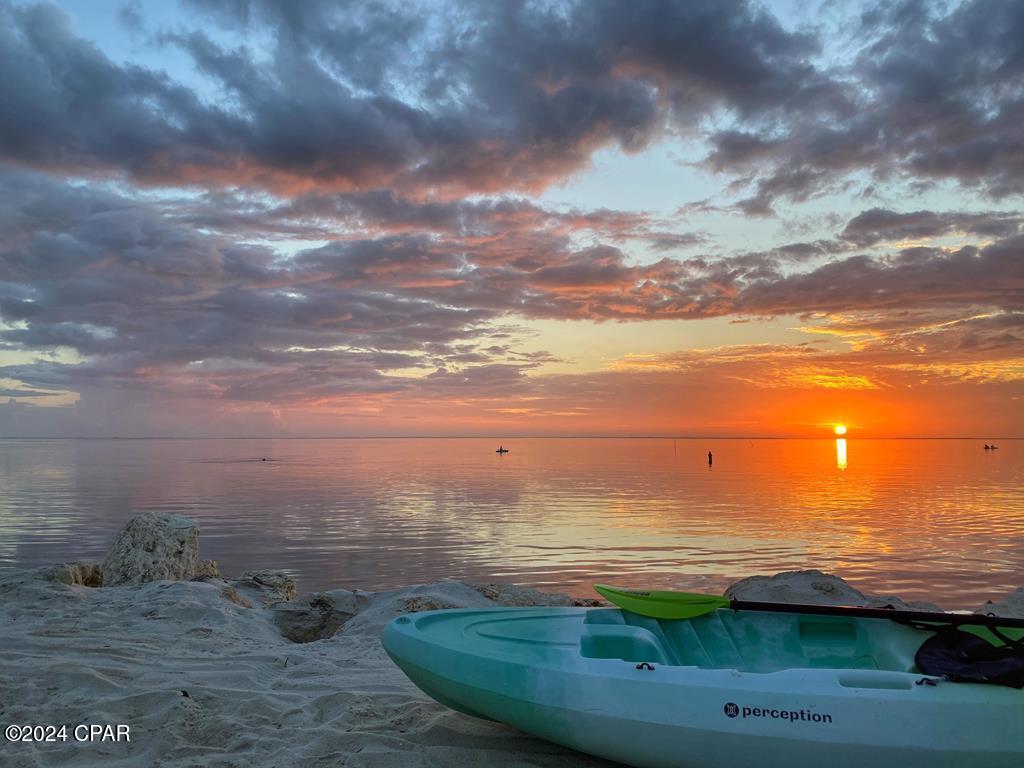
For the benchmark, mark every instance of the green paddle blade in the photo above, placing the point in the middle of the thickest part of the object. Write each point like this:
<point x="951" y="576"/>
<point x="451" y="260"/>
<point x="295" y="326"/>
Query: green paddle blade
<point x="662" y="605"/>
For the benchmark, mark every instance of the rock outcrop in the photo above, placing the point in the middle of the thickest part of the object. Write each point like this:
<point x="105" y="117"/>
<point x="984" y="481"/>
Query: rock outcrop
<point x="75" y="574"/>
<point x="815" y="588"/>
<point x="1011" y="606"/>
<point x="154" y="547"/>
<point x="268" y="587"/>
<point x="514" y="595"/>
<point x="207" y="569"/>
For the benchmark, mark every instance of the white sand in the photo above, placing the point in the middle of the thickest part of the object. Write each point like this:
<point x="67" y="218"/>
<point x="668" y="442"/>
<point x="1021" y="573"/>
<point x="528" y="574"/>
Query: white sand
<point x="127" y="654"/>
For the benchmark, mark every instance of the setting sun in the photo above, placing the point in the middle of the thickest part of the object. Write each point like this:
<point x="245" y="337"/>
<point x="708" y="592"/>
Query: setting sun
<point x="840" y="429"/>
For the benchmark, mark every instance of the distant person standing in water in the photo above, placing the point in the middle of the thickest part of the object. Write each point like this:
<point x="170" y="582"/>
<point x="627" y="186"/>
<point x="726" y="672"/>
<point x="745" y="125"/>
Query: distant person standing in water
<point x="709" y="458"/>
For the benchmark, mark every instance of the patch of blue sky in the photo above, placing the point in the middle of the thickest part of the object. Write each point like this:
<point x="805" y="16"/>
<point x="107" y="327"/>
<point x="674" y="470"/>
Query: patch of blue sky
<point x="836" y="21"/>
<point x="286" y="250"/>
<point x="657" y="180"/>
<point x="135" y="33"/>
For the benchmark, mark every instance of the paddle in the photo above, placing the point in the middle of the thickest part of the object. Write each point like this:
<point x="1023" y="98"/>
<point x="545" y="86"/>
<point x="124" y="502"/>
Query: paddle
<point x="689" y="605"/>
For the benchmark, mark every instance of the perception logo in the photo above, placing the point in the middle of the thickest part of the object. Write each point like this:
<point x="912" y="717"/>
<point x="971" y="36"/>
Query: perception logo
<point x="789" y="715"/>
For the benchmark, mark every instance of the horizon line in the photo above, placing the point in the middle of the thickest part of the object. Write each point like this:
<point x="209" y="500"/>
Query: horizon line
<point x="514" y="437"/>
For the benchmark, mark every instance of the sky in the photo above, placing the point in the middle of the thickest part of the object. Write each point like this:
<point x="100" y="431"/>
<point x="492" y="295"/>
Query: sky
<point x="245" y="217"/>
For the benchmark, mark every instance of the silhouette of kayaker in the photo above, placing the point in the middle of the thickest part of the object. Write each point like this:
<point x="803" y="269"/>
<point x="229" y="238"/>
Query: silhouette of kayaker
<point x="501" y="449"/>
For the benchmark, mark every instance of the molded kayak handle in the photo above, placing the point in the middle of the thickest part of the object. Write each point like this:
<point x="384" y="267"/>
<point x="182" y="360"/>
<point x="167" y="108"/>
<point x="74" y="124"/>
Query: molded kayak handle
<point x="877" y="679"/>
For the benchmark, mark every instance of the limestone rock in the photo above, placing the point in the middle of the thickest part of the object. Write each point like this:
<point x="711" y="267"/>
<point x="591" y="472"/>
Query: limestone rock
<point x="1011" y="606"/>
<point x="207" y="569"/>
<point x="75" y="574"/>
<point x="268" y="587"/>
<point x="422" y="603"/>
<point x="814" y="588"/>
<point x="513" y="595"/>
<point x="154" y="546"/>
<point x="231" y="594"/>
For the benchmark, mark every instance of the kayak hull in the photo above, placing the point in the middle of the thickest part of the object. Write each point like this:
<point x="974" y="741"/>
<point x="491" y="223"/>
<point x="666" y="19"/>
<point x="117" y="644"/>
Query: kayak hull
<point x="548" y="673"/>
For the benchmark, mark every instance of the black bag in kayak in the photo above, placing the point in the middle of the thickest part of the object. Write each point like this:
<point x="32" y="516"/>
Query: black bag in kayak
<point x="962" y="657"/>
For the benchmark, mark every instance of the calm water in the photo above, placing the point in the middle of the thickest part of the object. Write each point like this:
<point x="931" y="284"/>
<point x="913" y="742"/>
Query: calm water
<point x="935" y="519"/>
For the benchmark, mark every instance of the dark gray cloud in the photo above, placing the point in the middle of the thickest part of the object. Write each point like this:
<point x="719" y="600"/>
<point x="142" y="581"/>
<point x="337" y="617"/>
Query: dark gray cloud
<point x="494" y="96"/>
<point x="514" y="96"/>
<point x="21" y="392"/>
<point x="879" y="225"/>
<point x="939" y="95"/>
<point x="992" y="276"/>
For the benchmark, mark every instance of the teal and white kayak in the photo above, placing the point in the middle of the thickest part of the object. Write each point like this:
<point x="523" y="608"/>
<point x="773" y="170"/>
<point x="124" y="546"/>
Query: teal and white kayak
<point x="722" y="690"/>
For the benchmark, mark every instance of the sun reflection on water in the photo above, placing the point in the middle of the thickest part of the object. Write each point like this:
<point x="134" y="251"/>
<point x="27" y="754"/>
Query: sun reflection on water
<point x="841" y="452"/>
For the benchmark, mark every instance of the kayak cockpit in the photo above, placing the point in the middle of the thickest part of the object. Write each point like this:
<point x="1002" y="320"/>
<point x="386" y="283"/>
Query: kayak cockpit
<point x="752" y="641"/>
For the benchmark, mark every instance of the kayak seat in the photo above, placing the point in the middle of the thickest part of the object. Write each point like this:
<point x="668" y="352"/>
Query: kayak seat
<point x="608" y="641"/>
<point x="789" y="641"/>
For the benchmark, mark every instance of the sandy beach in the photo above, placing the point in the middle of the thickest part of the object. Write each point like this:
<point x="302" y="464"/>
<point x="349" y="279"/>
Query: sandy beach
<point x="207" y="670"/>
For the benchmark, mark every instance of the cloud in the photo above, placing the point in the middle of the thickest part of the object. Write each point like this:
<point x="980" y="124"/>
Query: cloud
<point x="20" y="392"/>
<point x="992" y="276"/>
<point x="880" y="225"/>
<point x="495" y="97"/>
<point x="925" y="106"/>
<point x="491" y="97"/>
<point x="985" y="346"/>
<point x="146" y="300"/>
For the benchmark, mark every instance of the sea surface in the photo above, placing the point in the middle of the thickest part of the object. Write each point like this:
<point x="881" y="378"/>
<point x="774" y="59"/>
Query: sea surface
<point x="941" y="520"/>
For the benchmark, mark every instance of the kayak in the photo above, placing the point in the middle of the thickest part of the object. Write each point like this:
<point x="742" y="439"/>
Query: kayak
<point x="723" y="690"/>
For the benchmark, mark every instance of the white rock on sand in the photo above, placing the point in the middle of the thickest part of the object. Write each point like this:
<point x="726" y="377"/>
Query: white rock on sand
<point x="156" y="546"/>
<point x="815" y="588"/>
<point x="1011" y="605"/>
<point x="204" y="674"/>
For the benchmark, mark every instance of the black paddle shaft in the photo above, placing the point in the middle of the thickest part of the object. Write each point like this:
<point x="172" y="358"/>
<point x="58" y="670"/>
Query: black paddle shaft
<point x="894" y="614"/>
